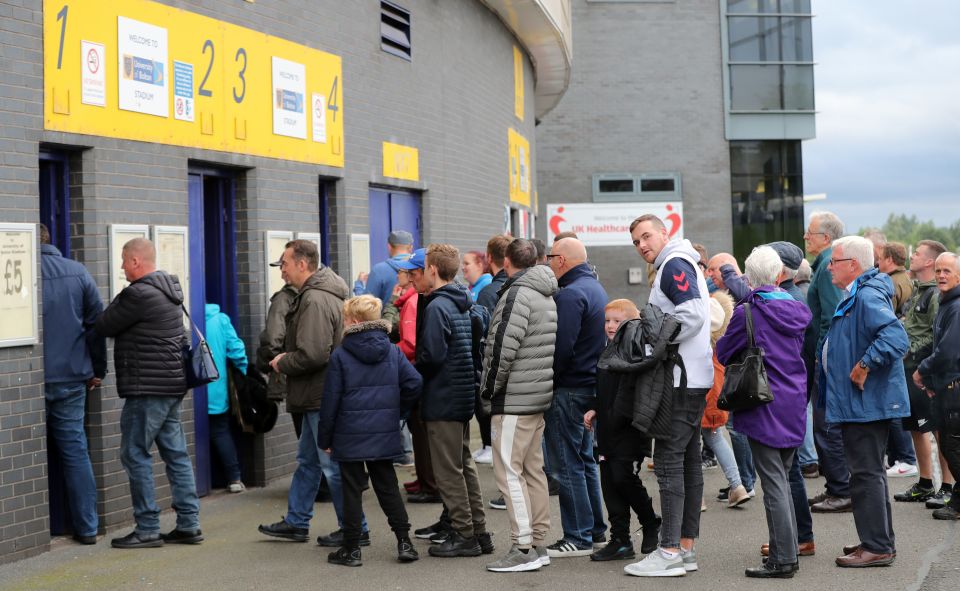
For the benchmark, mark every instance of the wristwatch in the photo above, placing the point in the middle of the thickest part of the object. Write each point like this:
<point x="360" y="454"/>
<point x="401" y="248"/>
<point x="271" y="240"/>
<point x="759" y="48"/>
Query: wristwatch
<point x="863" y="366"/>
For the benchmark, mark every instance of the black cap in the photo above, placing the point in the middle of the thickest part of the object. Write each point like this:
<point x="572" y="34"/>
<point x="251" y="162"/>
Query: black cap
<point x="789" y="253"/>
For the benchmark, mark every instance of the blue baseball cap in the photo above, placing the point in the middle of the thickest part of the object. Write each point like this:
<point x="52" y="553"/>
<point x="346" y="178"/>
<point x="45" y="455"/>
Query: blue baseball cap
<point x="418" y="260"/>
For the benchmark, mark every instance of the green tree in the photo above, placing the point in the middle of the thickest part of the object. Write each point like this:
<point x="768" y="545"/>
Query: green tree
<point x="910" y="230"/>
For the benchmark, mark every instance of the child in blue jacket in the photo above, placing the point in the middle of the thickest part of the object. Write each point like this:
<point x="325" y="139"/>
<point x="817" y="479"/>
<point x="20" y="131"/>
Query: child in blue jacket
<point x="369" y="387"/>
<point x="226" y="347"/>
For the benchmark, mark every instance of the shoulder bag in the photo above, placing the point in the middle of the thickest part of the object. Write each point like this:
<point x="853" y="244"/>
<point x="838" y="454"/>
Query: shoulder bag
<point x="198" y="364"/>
<point x="745" y="384"/>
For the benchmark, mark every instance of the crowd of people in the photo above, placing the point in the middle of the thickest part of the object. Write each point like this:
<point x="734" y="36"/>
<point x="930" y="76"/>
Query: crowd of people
<point x="573" y="393"/>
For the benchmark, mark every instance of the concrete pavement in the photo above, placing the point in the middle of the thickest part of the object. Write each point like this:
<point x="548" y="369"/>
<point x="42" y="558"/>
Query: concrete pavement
<point x="236" y="556"/>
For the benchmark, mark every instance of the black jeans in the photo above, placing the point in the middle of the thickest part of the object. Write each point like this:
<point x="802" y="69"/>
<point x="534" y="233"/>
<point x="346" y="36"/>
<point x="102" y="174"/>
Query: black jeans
<point x="801" y="508"/>
<point x="383" y="478"/>
<point x="865" y="445"/>
<point x="678" y="468"/>
<point x="622" y="491"/>
<point x="483" y="419"/>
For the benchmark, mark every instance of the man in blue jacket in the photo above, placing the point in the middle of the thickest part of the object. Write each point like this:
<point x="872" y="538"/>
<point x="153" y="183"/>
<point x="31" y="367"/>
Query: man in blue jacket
<point x="580" y="340"/>
<point x="383" y="276"/>
<point x="862" y="389"/>
<point x="74" y="361"/>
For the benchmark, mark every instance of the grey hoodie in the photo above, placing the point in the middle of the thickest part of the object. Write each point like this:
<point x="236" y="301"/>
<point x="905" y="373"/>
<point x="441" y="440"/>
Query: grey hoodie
<point x="518" y="357"/>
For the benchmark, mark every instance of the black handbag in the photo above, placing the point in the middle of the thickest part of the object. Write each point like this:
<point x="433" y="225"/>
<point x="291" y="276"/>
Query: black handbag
<point x="745" y="384"/>
<point x="198" y="364"/>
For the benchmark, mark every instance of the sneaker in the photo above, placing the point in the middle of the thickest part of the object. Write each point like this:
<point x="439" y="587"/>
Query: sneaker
<point x="738" y="496"/>
<point x="456" y="545"/>
<point x="404" y="461"/>
<point x="947" y="513"/>
<point x="939" y="499"/>
<point x="182" y="537"/>
<point x="440" y="537"/>
<point x="751" y="492"/>
<point x="236" y="487"/>
<point x="516" y="561"/>
<point x="85" y="540"/>
<point x="565" y="549"/>
<point x="282" y="529"/>
<point x="425" y="533"/>
<point x="689" y="558"/>
<point x="543" y="554"/>
<point x="657" y="565"/>
<point x="486" y="542"/>
<point x="412" y="487"/>
<point x="335" y="539"/>
<point x="818" y="499"/>
<point x="915" y="494"/>
<point x="135" y="540"/>
<point x="406" y="552"/>
<point x="599" y="541"/>
<point x="615" y="550"/>
<point x="709" y="463"/>
<point x="651" y="536"/>
<point x="901" y="470"/>
<point x="498" y="503"/>
<point x="724" y="495"/>
<point x="484" y="455"/>
<point x="345" y="557"/>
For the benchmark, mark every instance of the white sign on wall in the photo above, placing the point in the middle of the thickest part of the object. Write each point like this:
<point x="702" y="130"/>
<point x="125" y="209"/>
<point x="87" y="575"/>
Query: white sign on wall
<point x="93" y="80"/>
<point x="289" y="93"/>
<point x="142" y="72"/>
<point x="319" y="119"/>
<point x="608" y="224"/>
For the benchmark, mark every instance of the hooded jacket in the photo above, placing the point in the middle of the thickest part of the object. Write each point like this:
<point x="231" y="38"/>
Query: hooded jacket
<point x="370" y="386"/>
<point x="402" y="314"/>
<point x="71" y="305"/>
<point x="942" y="366"/>
<point x="225" y="346"/>
<point x="580" y="334"/>
<point x="271" y="340"/>
<point x="779" y="321"/>
<point x="680" y="290"/>
<point x="444" y="355"/>
<point x="146" y="321"/>
<point x="383" y="276"/>
<point x="864" y="328"/>
<point x="488" y="295"/>
<point x="314" y="329"/>
<point x="517" y="374"/>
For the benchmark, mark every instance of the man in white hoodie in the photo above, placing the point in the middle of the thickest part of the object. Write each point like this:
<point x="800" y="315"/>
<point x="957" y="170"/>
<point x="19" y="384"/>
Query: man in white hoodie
<point x="679" y="289"/>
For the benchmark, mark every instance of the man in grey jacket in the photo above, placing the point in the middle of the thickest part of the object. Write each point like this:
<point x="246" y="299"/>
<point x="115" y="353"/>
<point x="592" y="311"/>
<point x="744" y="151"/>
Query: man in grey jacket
<point x="516" y="389"/>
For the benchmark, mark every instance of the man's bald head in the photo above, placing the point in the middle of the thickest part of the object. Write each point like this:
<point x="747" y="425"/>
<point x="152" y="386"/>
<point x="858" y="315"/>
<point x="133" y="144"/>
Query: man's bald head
<point x="713" y="267"/>
<point x="141" y="247"/>
<point x="572" y="249"/>
<point x="139" y="258"/>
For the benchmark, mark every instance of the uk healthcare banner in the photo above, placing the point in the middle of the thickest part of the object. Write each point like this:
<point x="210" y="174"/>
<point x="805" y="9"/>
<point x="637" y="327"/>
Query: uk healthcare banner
<point x="608" y="224"/>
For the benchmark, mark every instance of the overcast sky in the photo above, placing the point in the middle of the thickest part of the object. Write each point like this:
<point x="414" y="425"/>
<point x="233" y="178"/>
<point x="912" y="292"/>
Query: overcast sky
<point x="888" y="110"/>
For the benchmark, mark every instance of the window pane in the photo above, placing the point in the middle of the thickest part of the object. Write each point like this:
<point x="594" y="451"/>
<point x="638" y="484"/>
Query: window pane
<point x="753" y="39"/>
<point x="616" y="186"/>
<point x="797" y="39"/>
<point x="751" y="6"/>
<point x="755" y="87"/>
<point x="657" y="185"/>
<point x="798" y="88"/>
<point x="795" y="6"/>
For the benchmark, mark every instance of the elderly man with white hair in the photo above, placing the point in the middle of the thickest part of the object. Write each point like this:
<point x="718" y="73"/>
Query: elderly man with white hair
<point x="862" y="389"/>
<point x="774" y="430"/>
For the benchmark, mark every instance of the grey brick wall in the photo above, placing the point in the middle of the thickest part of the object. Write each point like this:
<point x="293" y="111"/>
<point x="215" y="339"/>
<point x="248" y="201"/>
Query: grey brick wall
<point x="645" y="95"/>
<point x="453" y="101"/>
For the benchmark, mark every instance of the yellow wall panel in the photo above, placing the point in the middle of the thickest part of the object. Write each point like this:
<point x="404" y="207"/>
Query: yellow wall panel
<point x="518" y="149"/>
<point x="401" y="162"/>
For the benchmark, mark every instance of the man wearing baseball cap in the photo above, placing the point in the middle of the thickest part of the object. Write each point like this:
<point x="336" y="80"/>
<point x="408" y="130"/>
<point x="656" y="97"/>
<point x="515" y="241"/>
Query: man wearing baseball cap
<point x="383" y="276"/>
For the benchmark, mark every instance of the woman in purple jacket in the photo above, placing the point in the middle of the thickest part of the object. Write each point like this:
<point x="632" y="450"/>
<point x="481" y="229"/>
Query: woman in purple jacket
<point x="775" y="430"/>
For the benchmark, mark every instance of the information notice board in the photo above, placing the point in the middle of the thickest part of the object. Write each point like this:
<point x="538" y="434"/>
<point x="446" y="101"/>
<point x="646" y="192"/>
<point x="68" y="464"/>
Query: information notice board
<point x="144" y="71"/>
<point x="18" y="285"/>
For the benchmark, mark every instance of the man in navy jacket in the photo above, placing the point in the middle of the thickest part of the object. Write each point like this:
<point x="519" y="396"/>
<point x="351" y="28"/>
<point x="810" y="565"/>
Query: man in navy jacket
<point x="580" y="340"/>
<point x="74" y="361"/>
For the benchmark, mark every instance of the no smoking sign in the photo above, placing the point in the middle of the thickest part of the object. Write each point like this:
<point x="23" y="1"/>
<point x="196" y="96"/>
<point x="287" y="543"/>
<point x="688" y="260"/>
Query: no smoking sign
<point x="93" y="60"/>
<point x="93" y="80"/>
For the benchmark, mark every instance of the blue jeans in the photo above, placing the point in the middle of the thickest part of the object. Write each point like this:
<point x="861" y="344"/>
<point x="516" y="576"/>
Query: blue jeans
<point x="833" y="462"/>
<point x="65" y="411"/>
<point x="900" y="445"/>
<point x="222" y="440"/>
<point x="724" y="453"/>
<point x="807" y="453"/>
<point x="311" y="463"/>
<point x="146" y="420"/>
<point x="570" y="452"/>
<point x="801" y="510"/>
<point x="741" y="451"/>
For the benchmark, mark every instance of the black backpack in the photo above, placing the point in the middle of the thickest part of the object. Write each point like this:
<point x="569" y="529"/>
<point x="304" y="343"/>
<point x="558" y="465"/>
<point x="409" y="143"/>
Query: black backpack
<point x="254" y="411"/>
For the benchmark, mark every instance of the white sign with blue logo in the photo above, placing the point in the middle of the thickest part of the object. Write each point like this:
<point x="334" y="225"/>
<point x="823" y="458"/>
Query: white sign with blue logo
<point x="183" y="91"/>
<point x="289" y="93"/>
<point x="142" y="72"/>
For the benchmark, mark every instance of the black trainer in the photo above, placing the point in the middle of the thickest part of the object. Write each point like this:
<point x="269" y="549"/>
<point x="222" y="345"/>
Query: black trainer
<point x="135" y="540"/>
<point x="651" y="536"/>
<point x="335" y="539"/>
<point x="773" y="570"/>
<point x="486" y="542"/>
<point x="724" y="494"/>
<point x="345" y="557"/>
<point x="85" y="540"/>
<point x="406" y="552"/>
<point x="425" y="533"/>
<point x="940" y="499"/>
<point x="456" y="545"/>
<point x="282" y="529"/>
<point x="914" y="494"/>
<point x="178" y="536"/>
<point x="498" y="503"/>
<point x="615" y="550"/>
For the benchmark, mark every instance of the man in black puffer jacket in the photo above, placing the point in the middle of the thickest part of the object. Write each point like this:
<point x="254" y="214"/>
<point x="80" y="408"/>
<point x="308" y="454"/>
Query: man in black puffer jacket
<point x="146" y="321"/>
<point x="444" y="358"/>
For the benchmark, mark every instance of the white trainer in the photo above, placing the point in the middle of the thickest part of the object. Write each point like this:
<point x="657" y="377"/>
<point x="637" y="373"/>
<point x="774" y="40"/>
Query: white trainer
<point x="484" y="455"/>
<point x="657" y="565"/>
<point x="902" y="470"/>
